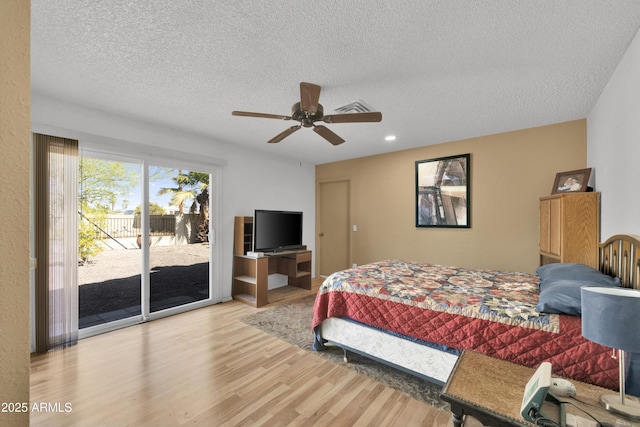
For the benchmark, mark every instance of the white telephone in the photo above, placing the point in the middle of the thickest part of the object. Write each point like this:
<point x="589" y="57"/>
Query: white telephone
<point x="562" y="388"/>
<point x="535" y="392"/>
<point x="539" y="386"/>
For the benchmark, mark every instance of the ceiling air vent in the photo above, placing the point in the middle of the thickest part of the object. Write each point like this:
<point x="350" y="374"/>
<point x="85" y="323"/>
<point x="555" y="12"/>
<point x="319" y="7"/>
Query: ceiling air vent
<point x="353" y="107"/>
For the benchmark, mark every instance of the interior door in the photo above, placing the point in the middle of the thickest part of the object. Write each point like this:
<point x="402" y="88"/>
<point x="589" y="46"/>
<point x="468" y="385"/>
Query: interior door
<point x="333" y="236"/>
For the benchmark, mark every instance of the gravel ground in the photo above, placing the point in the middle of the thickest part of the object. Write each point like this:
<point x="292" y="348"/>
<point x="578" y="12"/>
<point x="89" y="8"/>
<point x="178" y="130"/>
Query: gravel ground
<point x="120" y="263"/>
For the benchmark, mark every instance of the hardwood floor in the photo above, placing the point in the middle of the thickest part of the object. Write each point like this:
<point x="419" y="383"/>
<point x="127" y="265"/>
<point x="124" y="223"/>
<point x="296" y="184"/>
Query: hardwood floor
<point x="206" y="367"/>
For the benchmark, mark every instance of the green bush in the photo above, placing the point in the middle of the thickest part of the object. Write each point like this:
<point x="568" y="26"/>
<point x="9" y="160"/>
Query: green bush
<point x="89" y="239"/>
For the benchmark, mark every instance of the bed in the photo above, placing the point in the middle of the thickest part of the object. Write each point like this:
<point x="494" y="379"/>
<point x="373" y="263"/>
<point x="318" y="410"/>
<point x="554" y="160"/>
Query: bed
<point x="419" y="317"/>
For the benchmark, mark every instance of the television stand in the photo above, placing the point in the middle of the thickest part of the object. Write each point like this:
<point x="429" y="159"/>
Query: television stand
<point x="251" y="274"/>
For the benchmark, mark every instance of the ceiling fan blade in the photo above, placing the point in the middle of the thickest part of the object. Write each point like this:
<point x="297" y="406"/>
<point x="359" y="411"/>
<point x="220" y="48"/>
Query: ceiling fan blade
<point x="353" y="118"/>
<point x="309" y="97"/>
<point x="261" y="115"/>
<point x="327" y="134"/>
<point x="282" y="135"/>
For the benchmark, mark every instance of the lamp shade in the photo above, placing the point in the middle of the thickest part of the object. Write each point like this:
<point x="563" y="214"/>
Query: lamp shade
<point x="610" y="317"/>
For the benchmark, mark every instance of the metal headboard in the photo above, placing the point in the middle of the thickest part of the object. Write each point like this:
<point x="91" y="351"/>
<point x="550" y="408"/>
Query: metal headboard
<point x="620" y="257"/>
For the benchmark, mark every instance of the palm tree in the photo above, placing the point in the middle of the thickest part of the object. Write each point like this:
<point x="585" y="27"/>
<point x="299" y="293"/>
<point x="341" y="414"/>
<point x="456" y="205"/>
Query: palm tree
<point x="192" y="186"/>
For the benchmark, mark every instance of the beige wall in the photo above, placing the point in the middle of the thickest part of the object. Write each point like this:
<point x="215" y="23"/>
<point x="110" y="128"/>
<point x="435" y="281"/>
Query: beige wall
<point x="14" y="210"/>
<point x="509" y="173"/>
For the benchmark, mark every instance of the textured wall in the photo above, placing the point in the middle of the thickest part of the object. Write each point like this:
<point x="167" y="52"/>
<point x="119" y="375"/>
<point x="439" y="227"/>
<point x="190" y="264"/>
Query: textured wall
<point x="509" y="173"/>
<point x="14" y="209"/>
<point x="613" y="141"/>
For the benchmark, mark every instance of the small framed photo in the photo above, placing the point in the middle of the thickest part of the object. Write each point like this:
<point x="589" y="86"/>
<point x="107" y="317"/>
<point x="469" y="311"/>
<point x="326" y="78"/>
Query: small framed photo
<point x="571" y="181"/>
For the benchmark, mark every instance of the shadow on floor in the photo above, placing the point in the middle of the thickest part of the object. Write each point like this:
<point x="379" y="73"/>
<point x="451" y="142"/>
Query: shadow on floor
<point x="171" y="286"/>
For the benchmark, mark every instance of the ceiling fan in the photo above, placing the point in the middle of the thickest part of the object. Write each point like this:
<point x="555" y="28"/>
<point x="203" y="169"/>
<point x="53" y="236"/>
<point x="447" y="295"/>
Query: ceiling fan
<point x="308" y="111"/>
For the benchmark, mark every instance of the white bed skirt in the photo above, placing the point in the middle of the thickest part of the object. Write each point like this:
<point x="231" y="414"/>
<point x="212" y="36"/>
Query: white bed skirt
<point x="430" y="363"/>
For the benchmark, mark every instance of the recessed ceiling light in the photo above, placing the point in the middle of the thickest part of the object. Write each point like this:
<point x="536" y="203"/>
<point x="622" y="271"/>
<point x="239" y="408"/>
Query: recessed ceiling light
<point x="390" y="138"/>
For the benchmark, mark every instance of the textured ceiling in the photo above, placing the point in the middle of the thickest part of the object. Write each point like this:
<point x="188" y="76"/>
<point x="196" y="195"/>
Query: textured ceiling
<point x="438" y="70"/>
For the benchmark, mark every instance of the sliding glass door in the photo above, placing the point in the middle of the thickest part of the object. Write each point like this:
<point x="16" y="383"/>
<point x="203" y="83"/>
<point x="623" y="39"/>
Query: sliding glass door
<point x="110" y="263"/>
<point x="144" y="247"/>
<point x="179" y="237"/>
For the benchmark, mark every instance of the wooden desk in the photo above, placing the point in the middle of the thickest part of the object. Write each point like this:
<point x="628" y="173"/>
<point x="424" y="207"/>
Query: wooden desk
<point x="491" y="390"/>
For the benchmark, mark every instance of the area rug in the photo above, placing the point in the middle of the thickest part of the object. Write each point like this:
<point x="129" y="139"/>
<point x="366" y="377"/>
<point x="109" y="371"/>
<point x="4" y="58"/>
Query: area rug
<point x="291" y="322"/>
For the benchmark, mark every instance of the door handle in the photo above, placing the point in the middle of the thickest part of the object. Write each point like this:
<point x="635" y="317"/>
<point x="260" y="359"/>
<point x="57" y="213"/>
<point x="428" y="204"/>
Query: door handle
<point x="321" y="234"/>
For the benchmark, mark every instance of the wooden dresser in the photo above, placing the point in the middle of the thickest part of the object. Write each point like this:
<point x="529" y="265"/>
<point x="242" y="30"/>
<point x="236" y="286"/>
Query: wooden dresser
<point x="570" y="228"/>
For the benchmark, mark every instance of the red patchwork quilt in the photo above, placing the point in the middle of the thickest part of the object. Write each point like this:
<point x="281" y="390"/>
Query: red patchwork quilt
<point x="487" y="311"/>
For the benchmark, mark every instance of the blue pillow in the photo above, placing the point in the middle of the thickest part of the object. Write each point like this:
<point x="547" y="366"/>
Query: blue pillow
<point x="560" y="286"/>
<point x="565" y="271"/>
<point x="561" y="297"/>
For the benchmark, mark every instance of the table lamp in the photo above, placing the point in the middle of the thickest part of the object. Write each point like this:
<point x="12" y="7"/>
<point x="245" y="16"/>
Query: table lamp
<point x="609" y="317"/>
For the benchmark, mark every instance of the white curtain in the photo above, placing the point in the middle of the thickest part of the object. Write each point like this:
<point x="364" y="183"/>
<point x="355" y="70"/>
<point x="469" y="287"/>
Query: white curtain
<point x="56" y="177"/>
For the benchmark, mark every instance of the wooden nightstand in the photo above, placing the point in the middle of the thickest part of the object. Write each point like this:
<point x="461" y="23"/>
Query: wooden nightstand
<point x="491" y="391"/>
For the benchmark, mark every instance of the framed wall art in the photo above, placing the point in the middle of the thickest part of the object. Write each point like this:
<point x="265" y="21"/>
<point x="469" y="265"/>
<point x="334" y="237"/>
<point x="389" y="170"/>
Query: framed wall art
<point x="571" y="181"/>
<point x="443" y="192"/>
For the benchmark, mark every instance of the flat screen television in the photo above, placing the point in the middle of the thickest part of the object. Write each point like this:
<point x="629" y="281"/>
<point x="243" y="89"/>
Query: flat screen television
<point x="275" y="231"/>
